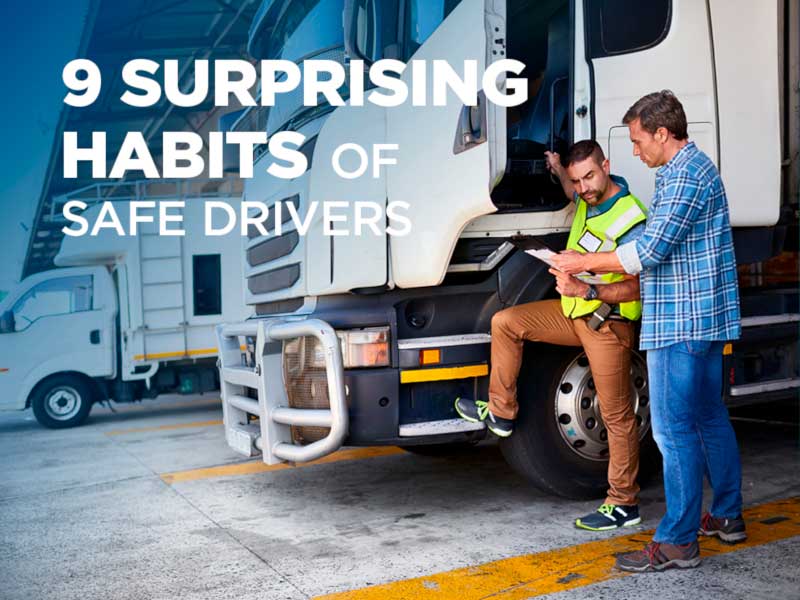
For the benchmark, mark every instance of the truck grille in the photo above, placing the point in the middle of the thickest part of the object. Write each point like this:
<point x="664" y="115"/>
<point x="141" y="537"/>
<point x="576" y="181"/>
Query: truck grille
<point x="271" y="281"/>
<point x="306" y="384"/>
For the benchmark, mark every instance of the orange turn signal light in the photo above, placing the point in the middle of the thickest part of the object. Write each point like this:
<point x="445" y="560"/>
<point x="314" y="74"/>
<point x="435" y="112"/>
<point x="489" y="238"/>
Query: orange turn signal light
<point x="430" y="356"/>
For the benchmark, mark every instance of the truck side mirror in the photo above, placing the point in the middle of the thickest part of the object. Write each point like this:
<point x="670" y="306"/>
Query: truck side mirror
<point x="7" y="324"/>
<point x="352" y="34"/>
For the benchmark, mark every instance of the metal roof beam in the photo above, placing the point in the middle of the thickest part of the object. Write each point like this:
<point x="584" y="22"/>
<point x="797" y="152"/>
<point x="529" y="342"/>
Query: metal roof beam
<point x="139" y="114"/>
<point x="122" y="48"/>
<point x="156" y="124"/>
<point x="142" y="16"/>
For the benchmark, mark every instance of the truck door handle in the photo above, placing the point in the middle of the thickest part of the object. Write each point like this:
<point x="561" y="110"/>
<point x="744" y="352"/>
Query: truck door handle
<point x="94" y="336"/>
<point x="471" y="129"/>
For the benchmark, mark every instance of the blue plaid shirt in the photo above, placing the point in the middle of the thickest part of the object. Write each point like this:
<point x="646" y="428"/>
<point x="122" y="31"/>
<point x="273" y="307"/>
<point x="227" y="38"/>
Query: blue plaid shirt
<point x="685" y="255"/>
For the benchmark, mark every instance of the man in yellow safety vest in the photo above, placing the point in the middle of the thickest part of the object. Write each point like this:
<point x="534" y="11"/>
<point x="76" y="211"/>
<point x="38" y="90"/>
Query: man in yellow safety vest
<point x="597" y="317"/>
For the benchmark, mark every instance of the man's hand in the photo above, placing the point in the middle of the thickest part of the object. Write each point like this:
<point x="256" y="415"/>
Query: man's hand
<point x="553" y="160"/>
<point x="567" y="285"/>
<point x="573" y="262"/>
<point x="570" y="262"/>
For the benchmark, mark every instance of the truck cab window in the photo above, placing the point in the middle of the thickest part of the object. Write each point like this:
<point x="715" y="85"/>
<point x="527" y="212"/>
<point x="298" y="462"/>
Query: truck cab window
<point x="207" y="278"/>
<point x="60" y="296"/>
<point x="622" y="26"/>
<point x="377" y="26"/>
<point x="539" y="35"/>
<point x="366" y="28"/>
<point x="422" y="17"/>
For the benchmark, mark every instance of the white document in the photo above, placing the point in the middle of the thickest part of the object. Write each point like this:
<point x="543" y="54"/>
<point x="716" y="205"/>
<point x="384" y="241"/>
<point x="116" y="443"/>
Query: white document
<point x="546" y="256"/>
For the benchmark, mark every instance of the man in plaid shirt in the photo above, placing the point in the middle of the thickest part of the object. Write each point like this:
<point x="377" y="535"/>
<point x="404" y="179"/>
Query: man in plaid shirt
<point x="687" y="268"/>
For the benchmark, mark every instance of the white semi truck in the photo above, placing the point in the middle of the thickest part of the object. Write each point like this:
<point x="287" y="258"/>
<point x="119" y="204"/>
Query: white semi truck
<point x="368" y="340"/>
<point x="126" y="317"/>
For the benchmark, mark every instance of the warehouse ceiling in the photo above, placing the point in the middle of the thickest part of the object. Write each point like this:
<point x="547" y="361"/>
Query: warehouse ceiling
<point x="114" y="33"/>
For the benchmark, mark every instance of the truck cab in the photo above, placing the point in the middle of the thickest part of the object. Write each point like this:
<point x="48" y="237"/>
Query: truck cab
<point x="126" y="317"/>
<point x="369" y="339"/>
<point x="57" y="334"/>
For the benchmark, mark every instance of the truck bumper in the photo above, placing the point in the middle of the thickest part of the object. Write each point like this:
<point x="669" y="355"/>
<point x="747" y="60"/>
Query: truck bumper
<point x="251" y="391"/>
<point x="307" y="416"/>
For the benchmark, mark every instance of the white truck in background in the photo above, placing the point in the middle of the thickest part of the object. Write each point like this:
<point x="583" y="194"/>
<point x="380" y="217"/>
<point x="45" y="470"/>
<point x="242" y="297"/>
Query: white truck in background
<point x="368" y="340"/>
<point x="126" y="317"/>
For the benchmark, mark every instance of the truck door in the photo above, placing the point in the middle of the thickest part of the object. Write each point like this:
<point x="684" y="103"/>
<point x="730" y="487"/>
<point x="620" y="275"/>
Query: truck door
<point x="633" y="48"/>
<point x="449" y="156"/>
<point x="747" y="84"/>
<point x="63" y="320"/>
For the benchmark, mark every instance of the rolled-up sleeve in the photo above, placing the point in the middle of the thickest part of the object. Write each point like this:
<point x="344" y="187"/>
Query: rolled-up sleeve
<point x="629" y="258"/>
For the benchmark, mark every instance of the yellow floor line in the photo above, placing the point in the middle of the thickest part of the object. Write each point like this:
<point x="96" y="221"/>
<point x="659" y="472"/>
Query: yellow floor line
<point x="568" y="568"/>
<point x="248" y="468"/>
<point x="165" y="427"/>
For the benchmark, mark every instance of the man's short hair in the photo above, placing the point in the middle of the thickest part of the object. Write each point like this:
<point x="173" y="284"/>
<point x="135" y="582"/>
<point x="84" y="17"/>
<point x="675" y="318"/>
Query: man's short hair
<point x="659" y="109"/>
<point x="580" y="151"/>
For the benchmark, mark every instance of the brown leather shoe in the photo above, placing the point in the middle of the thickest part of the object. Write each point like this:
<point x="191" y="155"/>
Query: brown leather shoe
<point x="730" y="531"/>
<point x="658" y="557"/>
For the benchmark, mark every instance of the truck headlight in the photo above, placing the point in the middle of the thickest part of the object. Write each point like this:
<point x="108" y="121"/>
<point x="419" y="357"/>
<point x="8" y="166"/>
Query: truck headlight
<point x="361" y="348"/>
<point x="365" y="347"/>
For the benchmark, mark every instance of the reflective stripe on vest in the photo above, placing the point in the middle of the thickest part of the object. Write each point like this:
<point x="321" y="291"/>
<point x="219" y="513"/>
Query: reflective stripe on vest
<point x="600" y="234"/>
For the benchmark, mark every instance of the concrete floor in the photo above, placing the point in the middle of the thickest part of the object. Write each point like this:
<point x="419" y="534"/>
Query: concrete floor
<point x="85" y="514"/>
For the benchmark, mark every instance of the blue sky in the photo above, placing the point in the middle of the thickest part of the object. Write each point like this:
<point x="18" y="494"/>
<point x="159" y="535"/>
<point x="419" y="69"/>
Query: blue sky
<point x="38" y="39"/>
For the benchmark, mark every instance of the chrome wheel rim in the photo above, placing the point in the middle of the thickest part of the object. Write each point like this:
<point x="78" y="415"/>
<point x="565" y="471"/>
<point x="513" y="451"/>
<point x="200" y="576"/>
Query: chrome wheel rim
<point x="578" y="415"/>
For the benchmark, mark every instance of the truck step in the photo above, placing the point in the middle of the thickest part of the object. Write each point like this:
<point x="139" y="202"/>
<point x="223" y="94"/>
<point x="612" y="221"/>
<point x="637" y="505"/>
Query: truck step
<point x="770" y="320"/>
<point x="775" y="385"/>
<point x="465" y="339"/>
<point x="439" y="427"/>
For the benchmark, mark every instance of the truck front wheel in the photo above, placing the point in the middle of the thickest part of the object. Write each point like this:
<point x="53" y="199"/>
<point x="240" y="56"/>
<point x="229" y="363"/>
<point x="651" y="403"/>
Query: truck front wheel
<point x="560" y="441"/>
<point x="62" y="401"/>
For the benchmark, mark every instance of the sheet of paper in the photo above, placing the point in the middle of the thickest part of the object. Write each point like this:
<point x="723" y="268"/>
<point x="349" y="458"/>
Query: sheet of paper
<point x="546" y="256"/>
<point x="592" y="279"/>
<point x="543" y="254"/>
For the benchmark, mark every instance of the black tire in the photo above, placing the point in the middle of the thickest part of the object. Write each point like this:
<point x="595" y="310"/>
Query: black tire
<point x="62" y="401"/>
<point x="539" y="452"/>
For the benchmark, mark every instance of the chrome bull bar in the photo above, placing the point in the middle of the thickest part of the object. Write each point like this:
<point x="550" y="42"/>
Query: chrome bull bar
<point x="271" y="437"/>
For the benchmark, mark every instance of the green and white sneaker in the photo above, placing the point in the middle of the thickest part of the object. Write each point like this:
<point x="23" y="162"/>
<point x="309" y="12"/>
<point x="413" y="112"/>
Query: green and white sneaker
<point x="610" y="516"/>
<point x="477" y="411"/>
<point x="474" y="411"/>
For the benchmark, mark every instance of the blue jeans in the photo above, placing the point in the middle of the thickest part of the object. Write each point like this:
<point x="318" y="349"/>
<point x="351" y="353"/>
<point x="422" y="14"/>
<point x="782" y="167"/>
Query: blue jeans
<point x="693" y="431"/>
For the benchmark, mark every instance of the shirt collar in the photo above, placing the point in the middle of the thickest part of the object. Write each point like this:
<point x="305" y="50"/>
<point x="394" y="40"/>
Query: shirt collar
<point x="623" y="191"/>
<point x="681" y="156"/>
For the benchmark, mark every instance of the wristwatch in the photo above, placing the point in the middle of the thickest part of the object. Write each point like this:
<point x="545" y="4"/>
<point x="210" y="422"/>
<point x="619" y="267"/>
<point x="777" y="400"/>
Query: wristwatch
<point x="591" y="293"/>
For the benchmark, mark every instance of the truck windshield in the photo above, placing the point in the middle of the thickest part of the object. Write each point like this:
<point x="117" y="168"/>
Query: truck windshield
<point x="59" y="296"/>
<point x="378" y="25"/>
<point x="305" y="30"/>
<point x="312" y="29"/>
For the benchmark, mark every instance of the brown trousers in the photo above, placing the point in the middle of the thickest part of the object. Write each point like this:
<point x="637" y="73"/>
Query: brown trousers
<point x="608" y="350"/>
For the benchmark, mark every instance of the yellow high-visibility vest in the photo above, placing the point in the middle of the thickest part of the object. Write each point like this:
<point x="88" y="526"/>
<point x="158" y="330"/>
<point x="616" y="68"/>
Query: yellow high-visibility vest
<point x="600" y="234"/>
